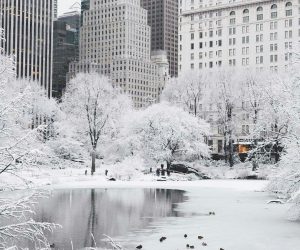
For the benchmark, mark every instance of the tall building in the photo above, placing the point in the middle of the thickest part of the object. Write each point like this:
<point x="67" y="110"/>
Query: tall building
<point x="259" y="35"/>
<point x="65" y="49"/>
<point x="28" y="29"/>
<point x="115" y="40"/>
<point x="240" y="33"/>
<point x="163" y="20"/>
<point x="85" y="5"/>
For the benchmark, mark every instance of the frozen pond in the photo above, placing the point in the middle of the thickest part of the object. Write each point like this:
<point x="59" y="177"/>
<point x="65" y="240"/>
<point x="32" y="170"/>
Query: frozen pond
<point x="134" y="216"/>
<point x="87" y="214"/>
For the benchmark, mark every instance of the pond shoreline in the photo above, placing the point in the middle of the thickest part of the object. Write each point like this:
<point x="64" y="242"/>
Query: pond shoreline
<point x="241" y="185"/>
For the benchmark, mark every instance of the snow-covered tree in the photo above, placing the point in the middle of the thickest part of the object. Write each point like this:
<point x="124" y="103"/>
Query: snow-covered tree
<point x="253" y="85"/>
<point x="225" y="93"/>
<point x="18" y="102"/>
<point x="94" y="106"/>
<point x="188" y="91"/>
<point x="286" y="117"/>
<point x="164" y="133"/>
<point x="15" y="225"/>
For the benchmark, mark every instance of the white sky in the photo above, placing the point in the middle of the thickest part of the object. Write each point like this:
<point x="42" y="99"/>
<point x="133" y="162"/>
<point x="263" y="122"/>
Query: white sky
<point x="64" y="5"/>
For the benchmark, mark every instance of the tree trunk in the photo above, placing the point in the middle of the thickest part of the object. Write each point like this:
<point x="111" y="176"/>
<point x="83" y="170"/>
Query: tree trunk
<point x="255" y="158"/>
<point x="231" y="162"/>
<point x="168" y="165"/>
<point x="93" y="170"/>
<point x="225" y="148"/>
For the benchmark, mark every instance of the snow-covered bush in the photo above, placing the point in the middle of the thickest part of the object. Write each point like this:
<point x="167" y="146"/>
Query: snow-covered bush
<point x="131" y="167"/>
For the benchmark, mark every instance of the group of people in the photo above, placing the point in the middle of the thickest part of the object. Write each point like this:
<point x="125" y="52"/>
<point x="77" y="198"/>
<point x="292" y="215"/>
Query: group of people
<point x="162" y="171"/>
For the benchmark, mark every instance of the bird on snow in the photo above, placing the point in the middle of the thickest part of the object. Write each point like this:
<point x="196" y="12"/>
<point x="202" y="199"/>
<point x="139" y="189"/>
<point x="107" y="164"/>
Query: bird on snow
<point x="187" y="245"/>
<point x="139" y="247"/>
<point x="204" y="244"/>
<point x="221" y="248"/>
<point x="192" y="247"/>
<point x="200" y="237"/>
<point x="162" y="239"/>
<point x="185" y="235"/>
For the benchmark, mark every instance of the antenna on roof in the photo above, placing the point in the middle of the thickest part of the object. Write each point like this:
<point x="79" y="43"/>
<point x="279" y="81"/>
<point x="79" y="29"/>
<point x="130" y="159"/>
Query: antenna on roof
<point x="76" y="6"/>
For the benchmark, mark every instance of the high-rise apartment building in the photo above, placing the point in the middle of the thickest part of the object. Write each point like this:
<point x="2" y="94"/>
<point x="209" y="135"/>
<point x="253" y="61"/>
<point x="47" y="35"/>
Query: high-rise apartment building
<point x="28" y="26"/>
<point x="115" y="40"/>
<point x="255" y="34"/>
<point x="163" y="20"/>
<point x="65" y="49"/>
<point x="259" y="35"/>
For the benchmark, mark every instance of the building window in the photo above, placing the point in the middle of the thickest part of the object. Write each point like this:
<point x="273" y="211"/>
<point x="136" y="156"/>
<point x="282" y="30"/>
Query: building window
<point x="273" y="25"/>
<point x="259" y="15"/>
<point x="288" y="34"/>
<point x="288" y="23"/>
<point x="288" y="11"/>
<point x="232" y="31"/>
<point x="273" y="47"/>
<point x="246" y="16"/>
<point x="274" y="11"/>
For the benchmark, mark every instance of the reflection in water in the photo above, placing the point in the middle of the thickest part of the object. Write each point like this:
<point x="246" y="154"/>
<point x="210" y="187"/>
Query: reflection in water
<point x="87" y="214"/>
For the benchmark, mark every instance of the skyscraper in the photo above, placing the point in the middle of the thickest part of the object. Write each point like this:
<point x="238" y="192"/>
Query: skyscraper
<point x="65" y="49"/>
<point x="28" y="26"/>
<point x="261" y="35"/>
<point x="163" y="20"/>
<point x="85" y="5"/>
<point x="115" y="40"/>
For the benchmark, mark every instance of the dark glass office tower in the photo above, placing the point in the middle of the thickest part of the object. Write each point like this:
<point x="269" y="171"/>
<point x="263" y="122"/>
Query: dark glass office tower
<point x="163" y="19"/>
<point x="65" y="50"/>
<point x="28" y="26"/>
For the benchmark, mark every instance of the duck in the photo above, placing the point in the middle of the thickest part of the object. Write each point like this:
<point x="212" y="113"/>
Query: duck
<point x="162" y="239"/>
<point x="139" y="247"/>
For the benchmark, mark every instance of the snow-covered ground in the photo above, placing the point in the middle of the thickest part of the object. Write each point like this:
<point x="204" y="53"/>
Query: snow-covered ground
<point x="45" y="176"/>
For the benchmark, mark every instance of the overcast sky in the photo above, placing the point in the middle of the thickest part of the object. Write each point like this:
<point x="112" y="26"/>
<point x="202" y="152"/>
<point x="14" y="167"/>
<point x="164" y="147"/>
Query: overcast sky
<point x="64" y="5"/>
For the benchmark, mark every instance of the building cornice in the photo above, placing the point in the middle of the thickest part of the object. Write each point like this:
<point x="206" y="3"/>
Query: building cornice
<point x="228" y="6"/>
